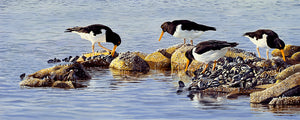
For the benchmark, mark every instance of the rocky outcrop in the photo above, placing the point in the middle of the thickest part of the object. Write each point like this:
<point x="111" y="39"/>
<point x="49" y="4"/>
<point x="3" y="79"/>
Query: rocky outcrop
<point x="129" y="61"/>
<point x="291" y="52"/>
<point x="161" y="59"/>
<point x="178" y="59"/>
<point x="288" y="50"/>
<point x="288" y="72"/>
<point x="289" y="87"/>
<point x="47" y="77"/>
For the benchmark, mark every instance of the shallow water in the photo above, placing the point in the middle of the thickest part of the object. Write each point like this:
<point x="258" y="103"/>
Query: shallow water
<point x="31" y="32"/>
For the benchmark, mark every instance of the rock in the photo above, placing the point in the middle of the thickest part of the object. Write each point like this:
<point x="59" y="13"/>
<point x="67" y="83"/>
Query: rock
<point x="36" y="82"/>
<point x="288" y="72"/>
<point x="286" y="101"/>
<point x="129" y="61"/>
<point x="235" y="52"/>
<point x="98" y="61"/>
<point x="296" y="56"/>
<point x="288" y="87"/>
<point x="178" y="59"/>
<point x="22" y="76"/>
<point x="61" y="72"/>
<point x="90" y="55"/>
<point x="157" y="60"/>
<point x="288" y="50"/>
<point x="161" y="59"/>
<point x="63" y="84"/>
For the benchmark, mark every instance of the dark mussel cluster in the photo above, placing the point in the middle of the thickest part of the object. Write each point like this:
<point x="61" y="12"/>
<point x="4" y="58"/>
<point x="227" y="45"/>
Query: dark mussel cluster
<point x="237" y="72"/>
<point x="107" y="58"/>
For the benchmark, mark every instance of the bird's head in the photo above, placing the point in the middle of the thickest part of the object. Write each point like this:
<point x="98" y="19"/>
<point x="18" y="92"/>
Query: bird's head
<point x="164" y="28"/>
<point x="116" y="40"/>
<point x="280" y="45"/>
<point x="190" y="58"/>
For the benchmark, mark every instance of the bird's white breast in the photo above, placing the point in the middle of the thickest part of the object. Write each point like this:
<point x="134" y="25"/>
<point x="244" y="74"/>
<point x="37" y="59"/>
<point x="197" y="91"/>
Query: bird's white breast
<point x="209" y="55"/>
<point x="90" y="36"/>
<point x="186" y="34"/>
<point x="262" y="43"/>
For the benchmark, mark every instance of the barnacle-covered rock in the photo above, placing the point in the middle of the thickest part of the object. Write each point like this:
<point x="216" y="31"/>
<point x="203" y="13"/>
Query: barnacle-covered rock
<point x="289" y="87"/>
<point x="288" y="72"/>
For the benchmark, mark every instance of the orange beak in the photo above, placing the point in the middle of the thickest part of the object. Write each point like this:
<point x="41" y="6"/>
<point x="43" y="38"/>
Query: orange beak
<point x="187" y="65"/>
<point x="283" y="56"/>
<point x="113" y="51"/>
<point x="162" y="33"/>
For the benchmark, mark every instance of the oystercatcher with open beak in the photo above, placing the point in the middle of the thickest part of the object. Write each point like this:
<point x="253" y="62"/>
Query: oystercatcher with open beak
<point x="184" y="29"/>
<point x="207" y="51"/>
<point x="98" y="33"/>
<point x="264" y="38"/>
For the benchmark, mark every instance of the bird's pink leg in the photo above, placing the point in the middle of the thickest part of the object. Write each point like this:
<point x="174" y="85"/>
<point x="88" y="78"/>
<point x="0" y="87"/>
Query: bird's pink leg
<point x="205" y="68"/>
<point x="108" y="50"/>
<point x="192" y="42"/>
<point x="258" y="52"/>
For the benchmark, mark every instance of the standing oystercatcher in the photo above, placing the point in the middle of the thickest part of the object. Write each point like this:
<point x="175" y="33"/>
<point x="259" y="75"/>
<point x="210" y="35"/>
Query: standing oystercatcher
<point x="207" y="51"/>
<point x="184" y="29"/>
<point x="98" y="33"/>
<point x="265" y="38"/>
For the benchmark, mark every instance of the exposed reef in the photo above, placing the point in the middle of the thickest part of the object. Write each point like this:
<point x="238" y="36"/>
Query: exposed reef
<point x="237" y="73"/>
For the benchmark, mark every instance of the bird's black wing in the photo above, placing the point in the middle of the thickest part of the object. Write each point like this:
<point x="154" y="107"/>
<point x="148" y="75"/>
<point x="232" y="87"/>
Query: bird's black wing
<point x="205" y="46"/>
<point x="190" y="25"/>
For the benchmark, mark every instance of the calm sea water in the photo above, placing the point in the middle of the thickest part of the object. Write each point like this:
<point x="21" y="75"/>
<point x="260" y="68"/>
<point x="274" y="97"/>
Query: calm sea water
<point x="32" y="31"/>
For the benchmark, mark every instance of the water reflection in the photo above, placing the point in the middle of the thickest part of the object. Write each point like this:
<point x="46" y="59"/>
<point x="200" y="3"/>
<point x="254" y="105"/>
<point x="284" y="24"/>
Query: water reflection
<point x="277" y="109"/>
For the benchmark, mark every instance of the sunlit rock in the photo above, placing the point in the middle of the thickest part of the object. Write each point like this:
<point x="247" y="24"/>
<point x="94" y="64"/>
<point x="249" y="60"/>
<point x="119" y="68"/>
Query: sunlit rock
<point x="296" y="57"/>
<point x="288" y="87"/>
<point x="178" y="59"/>
<point x="288" y="50"/>
<point x="157" y="60"/>
<point x="129" y="61"/>
<point x="288" y="72"/>
<point x="161" y="59"/>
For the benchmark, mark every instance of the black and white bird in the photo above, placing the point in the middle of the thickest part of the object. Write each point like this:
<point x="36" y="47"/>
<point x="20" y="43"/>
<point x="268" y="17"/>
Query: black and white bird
<point x="184" y="29"/>
<point x="98" y="33"/>
<point x="265" y="38"/>
<point x="207" y="51"/>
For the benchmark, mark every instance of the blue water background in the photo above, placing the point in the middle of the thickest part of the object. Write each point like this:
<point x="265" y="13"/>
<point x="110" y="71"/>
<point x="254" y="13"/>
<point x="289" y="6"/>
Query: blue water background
<point x="32" y="31"/>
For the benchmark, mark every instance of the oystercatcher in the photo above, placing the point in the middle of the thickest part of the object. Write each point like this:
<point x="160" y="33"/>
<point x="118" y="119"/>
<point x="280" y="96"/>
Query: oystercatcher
<point x="98" y="33"/>
<point x="207" y="51"/>
<point x="184" y="29"/>
<point x="265" y="38"/>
